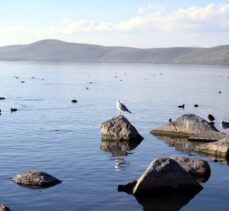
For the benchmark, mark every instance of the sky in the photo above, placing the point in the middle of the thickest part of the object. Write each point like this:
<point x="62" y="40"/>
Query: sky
<point x="134" y="23"/>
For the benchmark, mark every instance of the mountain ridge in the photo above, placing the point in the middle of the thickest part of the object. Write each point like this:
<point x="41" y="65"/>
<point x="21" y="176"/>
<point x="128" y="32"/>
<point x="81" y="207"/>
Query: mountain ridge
<point x="60" y="51"/>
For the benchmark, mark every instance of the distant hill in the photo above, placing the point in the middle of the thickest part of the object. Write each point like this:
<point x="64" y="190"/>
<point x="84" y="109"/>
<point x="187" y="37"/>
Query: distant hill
<point x="59" y="51"/>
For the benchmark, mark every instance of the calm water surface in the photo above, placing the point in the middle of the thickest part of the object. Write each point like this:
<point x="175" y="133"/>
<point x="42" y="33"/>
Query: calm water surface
<point x="51" y="134"/>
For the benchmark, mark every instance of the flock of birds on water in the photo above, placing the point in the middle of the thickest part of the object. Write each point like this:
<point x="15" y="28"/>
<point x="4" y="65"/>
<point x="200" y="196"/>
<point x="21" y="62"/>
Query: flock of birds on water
<point x="122" y="108"/>
<point x="225" y="125"/>
<point x="211" y="118"/>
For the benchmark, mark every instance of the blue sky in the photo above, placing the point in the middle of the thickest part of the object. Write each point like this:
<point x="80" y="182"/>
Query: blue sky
<point x="137" y="23"/>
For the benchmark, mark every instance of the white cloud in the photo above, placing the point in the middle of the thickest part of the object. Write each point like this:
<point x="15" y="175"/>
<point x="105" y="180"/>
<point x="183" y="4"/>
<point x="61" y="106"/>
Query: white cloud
<point x="211" y="18"/>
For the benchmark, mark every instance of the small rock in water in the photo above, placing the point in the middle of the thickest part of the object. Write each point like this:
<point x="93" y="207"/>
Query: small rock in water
<point x="119" y="129"/>
<point x="74" y="101"/>
<point x="13" y="110"/>
<point x="35" y="179"/>
<point x="4" y="208"/>
<point x="87" y="88"/>
<point x="218" y="149"/>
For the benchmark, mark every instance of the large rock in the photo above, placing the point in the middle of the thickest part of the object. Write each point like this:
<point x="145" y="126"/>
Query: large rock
<point x="163" y="176"/>
<point x="4" y="208"/>
<point x="35" y="179"/>
<point x="190" y="126"/>
<point x="199" y="169"/>
<point x="217" y="149"/>
<point x="119" y="128"/>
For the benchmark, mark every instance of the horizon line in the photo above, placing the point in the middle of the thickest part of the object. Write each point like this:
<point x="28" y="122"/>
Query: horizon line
<point x="112" y="46"/>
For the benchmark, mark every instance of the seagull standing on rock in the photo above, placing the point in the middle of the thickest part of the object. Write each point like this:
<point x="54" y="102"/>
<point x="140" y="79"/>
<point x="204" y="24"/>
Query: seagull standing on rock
<point x="121" y="107"/>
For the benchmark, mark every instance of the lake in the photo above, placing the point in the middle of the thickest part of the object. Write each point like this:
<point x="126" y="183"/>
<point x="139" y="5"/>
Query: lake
<point x="51" y="134"/>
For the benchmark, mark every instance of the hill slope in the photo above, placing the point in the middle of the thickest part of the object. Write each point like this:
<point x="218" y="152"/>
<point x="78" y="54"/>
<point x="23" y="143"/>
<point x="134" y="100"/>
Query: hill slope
<point x="59" y="51"/>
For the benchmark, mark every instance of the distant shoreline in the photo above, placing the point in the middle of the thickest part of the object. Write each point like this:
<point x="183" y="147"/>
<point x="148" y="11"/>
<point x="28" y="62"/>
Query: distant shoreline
<point x="56" y="51"/>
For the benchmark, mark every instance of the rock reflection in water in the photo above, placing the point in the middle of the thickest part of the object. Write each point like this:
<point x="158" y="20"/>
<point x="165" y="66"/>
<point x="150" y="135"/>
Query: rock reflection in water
<point x="171" y="202"/>
<point x="180" y="144"/>
<point x="118" y="150"/>
<point x="121" y="164"/>
<point x="184" y="145"/>
<point x="216" y="158"/>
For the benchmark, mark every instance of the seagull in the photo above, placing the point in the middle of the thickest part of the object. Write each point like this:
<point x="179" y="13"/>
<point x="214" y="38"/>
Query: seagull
<point x="122" y="107"/>
<point x="224" y="125"/>
<point x="211" y="118"/>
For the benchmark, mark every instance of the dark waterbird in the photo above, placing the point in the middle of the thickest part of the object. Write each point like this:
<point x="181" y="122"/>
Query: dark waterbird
<point x="220" y="92"/>
<point x="224" y="125"/>
<point x="2" y="98"/>
<point x="13" y="110"/>
<point x="181" y="106"/>
<point x="211" y="117"/>
<point x="196" y="105"/>
<point x="74" y="101"/>
<point x="22" y="82"/>
<point x="170" y="120"/>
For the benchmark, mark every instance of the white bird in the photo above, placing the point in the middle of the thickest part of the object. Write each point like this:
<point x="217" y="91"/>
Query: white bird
<point x="224" y="125"/>
<point x="121" y="107"/>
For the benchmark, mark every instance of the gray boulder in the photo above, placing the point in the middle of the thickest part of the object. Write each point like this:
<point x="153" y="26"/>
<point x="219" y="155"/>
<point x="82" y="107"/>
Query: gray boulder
<point x="163" y="176"/>
<point x="217" y="149"/>
<point x="199" y="169"/>
<point x="119" y="129"/>
<point x="190" y="126"/>
<point x="4" y="208"/>
<point x="35" y="179"/>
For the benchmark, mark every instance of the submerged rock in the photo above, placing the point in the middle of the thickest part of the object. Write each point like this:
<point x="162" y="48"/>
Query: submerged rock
<point x="35" y="179"/>
<point x="217" y="149"/>
<point x="119" y="129"/>
<point x="4" y="208"/>
<point x="163" y="176"/>
<point x="190" y="126"/>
